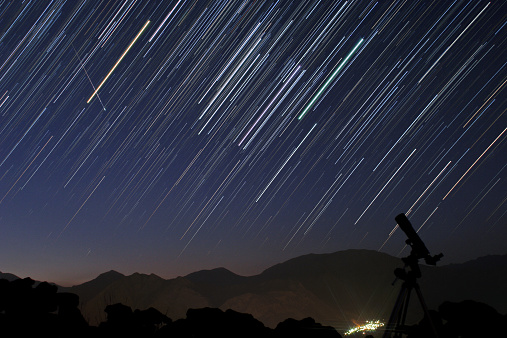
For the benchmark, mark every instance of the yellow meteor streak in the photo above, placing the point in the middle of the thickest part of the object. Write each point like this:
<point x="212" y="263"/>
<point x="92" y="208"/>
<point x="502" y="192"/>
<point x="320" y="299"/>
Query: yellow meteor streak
<point x="119" y="60"/>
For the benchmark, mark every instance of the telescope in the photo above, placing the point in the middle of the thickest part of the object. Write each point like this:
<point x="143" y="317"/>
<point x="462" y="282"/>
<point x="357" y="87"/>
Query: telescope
<point x="396" y="325"/>
<point x="419" y="250"/>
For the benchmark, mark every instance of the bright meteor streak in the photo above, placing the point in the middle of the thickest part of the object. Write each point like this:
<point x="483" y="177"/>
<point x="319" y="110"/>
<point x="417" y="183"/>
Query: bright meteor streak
<point x="331" y="78"/>
<point x="119" y="60"/>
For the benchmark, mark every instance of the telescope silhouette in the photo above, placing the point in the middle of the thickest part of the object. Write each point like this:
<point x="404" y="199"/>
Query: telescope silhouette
<point x="419" y="250"/>
<point x="396" y="328"/>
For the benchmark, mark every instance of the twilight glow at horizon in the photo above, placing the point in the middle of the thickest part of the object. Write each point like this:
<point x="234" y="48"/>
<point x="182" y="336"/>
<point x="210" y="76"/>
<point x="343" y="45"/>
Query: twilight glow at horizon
<point x="171" y="136"/>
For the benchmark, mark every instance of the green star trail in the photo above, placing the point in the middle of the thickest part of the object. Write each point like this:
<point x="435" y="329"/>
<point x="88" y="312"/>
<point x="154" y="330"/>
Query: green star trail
<point x="330" y="80"/>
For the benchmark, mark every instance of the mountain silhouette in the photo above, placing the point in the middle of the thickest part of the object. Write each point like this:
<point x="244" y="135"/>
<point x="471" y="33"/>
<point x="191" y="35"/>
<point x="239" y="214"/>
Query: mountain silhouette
<point x="483" y="279"/>
<point x="334" y="289"/>
<point x="215" y="276"/>
<point x="8" y="276"/>
<point x="91" y="288"/>
<point x="218" y="284"/>
<point x="139" y="291"/>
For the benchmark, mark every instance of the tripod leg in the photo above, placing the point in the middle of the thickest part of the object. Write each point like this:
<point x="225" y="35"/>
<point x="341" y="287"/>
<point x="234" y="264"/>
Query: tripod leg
<point x="426" y="312"/>
<point x="403" y="314"/>
<point x="395" y="317"/>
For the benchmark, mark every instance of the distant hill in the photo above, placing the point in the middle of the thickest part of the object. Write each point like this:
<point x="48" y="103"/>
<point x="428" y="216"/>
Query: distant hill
<point x="139" y="291"/>
<point x="8" y="276"/>
<point x="90" y="289"/>
<point x="334" y="289"/>
<point x="483" y="279"/>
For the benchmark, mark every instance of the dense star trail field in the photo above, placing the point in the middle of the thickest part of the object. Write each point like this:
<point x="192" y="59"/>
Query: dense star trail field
<point x="171" y="136"/>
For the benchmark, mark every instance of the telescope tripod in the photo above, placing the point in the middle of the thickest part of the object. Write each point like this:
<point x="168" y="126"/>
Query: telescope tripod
<point x="398" y="316"/>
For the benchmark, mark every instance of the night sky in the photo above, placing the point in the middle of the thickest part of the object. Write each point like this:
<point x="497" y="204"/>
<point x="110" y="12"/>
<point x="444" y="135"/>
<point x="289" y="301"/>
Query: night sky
<point x="171" y="136"/>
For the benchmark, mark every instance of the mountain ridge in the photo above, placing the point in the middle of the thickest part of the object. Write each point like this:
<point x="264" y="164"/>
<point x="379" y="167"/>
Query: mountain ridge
<point x="333" y="288"/>
<point x="8" y="276"/>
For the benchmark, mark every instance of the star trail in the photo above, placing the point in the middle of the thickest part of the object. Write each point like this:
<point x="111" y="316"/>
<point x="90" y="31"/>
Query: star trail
<point x="172" y="136"/>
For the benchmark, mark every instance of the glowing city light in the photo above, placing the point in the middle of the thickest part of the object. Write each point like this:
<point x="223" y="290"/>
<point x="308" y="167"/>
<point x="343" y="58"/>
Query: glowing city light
<point x="368" y="327"/>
